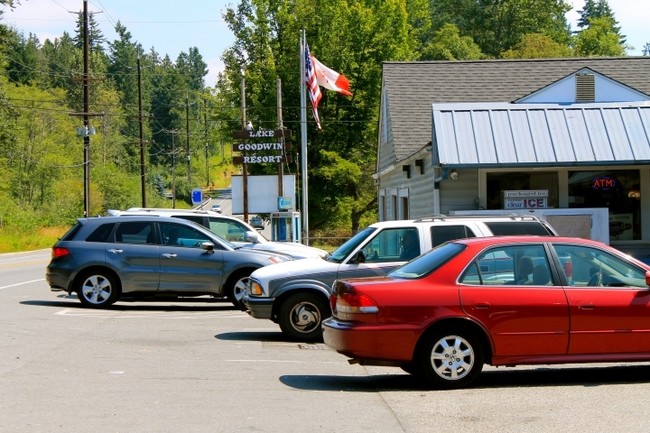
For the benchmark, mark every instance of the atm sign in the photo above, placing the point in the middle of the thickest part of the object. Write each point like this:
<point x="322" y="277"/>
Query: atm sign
<point x="603" y="183"/>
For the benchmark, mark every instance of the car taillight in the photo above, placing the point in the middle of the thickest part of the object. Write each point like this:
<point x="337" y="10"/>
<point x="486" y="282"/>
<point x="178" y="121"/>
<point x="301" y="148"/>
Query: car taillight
<point x="58" y="252"/>
<point x="354" y="303"/>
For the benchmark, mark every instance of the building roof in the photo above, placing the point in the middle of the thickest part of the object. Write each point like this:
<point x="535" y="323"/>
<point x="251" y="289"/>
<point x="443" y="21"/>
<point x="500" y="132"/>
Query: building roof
<point x="502" y="134"/>
<point x="411" y="87"/>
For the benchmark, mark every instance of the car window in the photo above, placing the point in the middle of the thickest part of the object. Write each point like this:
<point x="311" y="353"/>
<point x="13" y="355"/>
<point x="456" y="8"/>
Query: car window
<point x="512" y="265"/>
<point x="228" y="229"/>
<point x="135" y="233"/>
<point x="444" y="233"/>
<point x="393" y="245"/>
<point x="350" y="245"/>
<point x="505" y="228"/>
<point x="596" y="268"/>
<point x="196" y="219"/>
<point x="427" y="263"/>
<point x="182" y="236"/>
<point x="101" y="233"/>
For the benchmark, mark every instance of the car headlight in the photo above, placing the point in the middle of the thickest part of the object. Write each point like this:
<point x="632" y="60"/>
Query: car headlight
<point x="256" y="288"/>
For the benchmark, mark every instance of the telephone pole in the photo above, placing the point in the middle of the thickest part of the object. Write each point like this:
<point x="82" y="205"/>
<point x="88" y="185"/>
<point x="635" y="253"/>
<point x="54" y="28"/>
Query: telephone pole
<point x="86" y="131"/>
<point x="86" y="118"/>
<point x="142" y="153"/>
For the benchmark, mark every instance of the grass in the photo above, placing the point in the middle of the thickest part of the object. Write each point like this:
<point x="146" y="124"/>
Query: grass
<point x="17" y="240"/>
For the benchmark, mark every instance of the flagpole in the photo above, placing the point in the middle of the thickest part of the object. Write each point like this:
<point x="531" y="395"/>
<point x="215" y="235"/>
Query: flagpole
<point x="303" y="142"/>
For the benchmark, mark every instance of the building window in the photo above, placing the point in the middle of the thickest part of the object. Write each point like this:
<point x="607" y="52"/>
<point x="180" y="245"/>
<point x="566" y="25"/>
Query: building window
<point x="405" y="207"/>
<point x="617" y="190"/>
<point x="497" y="183"/>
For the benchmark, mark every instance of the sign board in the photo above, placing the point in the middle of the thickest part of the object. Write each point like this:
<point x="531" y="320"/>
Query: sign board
<point x="259" y="147"/>
<point x="246" y="134"/>
<point x="197" y="196"/>
<point x="262" y="193"/>
<point x="284" y="203"/>
<point x="525" y="199"/>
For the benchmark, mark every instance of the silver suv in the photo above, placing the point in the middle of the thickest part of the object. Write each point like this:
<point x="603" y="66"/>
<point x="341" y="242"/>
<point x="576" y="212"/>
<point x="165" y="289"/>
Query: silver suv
<point x="102" y="259"/>
<point x="231" y="229"/>
<point x="296" y="294"/>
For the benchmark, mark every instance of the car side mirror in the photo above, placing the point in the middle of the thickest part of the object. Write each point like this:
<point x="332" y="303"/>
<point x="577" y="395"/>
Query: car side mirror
<point x="253" y="237"/>
<point x="359" y="257"/>
<point x="208" y="246"/>
<point x="647" y="278"/>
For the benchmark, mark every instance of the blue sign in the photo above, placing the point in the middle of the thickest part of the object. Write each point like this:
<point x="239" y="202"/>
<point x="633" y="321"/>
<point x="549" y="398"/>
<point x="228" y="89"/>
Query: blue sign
<point x="197" y="196"/>
<point x="284" y="203"/>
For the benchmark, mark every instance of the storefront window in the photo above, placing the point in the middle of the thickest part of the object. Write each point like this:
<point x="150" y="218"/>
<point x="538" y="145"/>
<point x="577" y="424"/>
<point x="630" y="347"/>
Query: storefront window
<point x="542" y="181"/>
<point x="617" y="190"/>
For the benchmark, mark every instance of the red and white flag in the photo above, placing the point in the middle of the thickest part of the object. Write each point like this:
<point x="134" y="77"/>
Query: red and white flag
<point x="312" y="84"/>
<point x="317" y="74"/>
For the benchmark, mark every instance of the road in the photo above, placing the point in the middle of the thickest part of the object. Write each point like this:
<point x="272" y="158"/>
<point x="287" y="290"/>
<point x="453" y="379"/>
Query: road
<point x="204" y="367"/>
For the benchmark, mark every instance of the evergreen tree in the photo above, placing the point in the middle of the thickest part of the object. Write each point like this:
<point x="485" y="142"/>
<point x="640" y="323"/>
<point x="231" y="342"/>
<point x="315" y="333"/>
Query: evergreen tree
<point x="599" y="39"/>
<point x="599" y="9"/>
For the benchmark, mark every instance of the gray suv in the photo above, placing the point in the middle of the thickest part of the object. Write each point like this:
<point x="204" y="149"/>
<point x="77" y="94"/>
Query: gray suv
<point x="104" y="258"/>
<point x="232" y="229"/>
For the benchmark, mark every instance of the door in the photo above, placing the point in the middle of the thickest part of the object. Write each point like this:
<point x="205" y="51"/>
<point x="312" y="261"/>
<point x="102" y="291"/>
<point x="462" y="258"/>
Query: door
<point x="524" y="310"/>
<point x="134" y="255"/>
<point x="609" y="303"/>
<point x="184" y="265"/>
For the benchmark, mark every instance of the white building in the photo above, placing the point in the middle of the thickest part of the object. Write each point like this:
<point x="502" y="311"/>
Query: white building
<point x="504" y="135"/>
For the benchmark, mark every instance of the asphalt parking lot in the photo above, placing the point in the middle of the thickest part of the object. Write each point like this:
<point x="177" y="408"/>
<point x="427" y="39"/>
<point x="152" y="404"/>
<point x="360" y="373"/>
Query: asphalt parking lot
<point x="205" y="367"/>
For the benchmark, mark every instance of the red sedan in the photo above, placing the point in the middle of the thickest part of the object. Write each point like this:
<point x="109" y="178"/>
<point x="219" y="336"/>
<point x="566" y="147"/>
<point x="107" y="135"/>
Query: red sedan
<point x="499" y="301"/>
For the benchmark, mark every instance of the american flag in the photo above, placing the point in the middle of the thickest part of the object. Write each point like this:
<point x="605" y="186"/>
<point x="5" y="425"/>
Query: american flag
<point x="312" y="84"/>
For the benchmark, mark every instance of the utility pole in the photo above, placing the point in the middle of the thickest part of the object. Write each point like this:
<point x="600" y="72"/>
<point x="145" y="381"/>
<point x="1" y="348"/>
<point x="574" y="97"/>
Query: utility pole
<point x="205" y="131"/>
<point x="282" y="140"/>
<point x="187" y="134"/>
<point x="244" y="164"/>
<point x="86" y="131"/>
<point x="173" y="132"/>
<point x="86" y="117"/>
<point x="142" y="152"/>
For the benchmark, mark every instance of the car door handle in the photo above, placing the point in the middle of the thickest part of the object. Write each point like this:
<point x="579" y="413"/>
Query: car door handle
<point x="115" y="251"/>
<point x="588" y="307"/>
<point x="169" y="255"/>
<point x="482" y="306"/>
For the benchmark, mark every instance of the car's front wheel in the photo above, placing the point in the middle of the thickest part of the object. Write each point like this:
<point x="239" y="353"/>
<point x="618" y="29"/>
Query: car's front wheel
<point x="237" y="287"/>
<point x="451" y="359"/>
<point x="98" y="289"/>
<point x="301" y="316"/>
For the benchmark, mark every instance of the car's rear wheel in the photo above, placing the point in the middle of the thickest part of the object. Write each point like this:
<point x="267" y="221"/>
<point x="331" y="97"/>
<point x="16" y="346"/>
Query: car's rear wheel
<point x="301" y="316"/>
<point x="451" y="359"/>
<point x="98" y="289"/>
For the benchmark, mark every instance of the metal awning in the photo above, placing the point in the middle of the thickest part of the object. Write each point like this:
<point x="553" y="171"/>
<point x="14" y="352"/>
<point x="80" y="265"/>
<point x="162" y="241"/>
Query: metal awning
<point x="514" y="135"/>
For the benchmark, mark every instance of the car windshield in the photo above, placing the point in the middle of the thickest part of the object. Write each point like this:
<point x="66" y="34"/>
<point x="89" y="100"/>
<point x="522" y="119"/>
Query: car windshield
<point x="428" y="262"/>
<point x="350" y="245"/>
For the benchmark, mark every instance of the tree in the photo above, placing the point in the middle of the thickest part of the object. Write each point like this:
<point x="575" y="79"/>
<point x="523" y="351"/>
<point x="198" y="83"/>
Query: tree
<point x="599" y="9"/>
<point x="449" y="44"/>
<point x="537" y="46"/>
<point x="498" y="25"/>
<point x="95" y="36"/>
<point x="122" y="72"/>
<point x="24" y="61"/>
<point x="193" y="68"/>
<point x="599" y="39"/>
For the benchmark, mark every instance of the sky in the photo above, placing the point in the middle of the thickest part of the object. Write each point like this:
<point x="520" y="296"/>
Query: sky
<point x="173" y="26"/>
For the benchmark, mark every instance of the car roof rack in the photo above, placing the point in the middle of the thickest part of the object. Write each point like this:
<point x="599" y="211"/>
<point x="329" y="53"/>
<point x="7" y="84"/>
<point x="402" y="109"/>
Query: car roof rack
<point x="512" y="216"/>
<point x="165" y="209"/>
